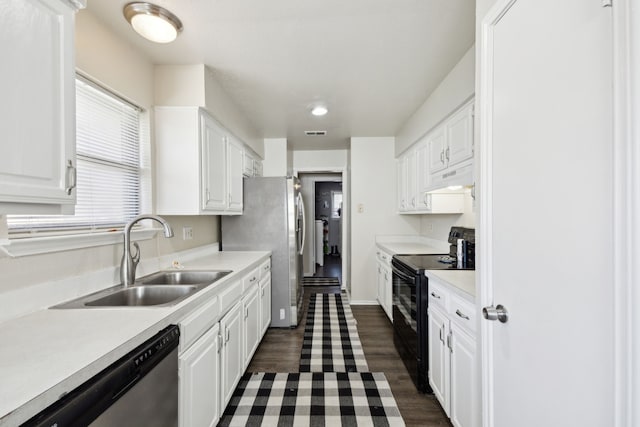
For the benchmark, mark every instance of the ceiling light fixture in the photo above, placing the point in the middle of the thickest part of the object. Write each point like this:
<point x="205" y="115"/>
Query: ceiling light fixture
<point x="319" y="110"/>
<point x="152" y="22"/>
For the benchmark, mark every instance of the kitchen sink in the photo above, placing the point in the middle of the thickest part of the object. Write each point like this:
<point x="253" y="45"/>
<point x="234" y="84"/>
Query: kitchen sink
<point x="163" y="288"/>
<point x="143" y="295"/>
<point x="183" y="277"/>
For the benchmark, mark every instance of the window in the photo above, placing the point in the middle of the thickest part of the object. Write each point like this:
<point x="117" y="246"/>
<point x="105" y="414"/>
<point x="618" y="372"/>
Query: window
<point x="112" y="166"/>
<point x="336" y="204"/>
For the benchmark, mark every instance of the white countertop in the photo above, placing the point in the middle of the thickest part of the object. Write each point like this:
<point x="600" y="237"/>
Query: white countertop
<point x="464" y="280"/>
<point x="411" y="245"/>
<point x="50" y="352"/>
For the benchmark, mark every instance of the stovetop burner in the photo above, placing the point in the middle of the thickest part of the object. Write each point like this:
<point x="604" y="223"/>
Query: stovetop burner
<point x="428" y="262"/>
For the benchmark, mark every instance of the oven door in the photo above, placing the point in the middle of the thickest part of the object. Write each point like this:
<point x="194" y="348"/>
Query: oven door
<point x="405" y="324"/>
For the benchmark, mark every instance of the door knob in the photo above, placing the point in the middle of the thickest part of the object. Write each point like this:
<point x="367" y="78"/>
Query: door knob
<point x="495" y="313"/>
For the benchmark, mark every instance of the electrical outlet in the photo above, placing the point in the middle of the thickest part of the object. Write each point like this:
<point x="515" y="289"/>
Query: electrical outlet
<point x="187" y="233"/>
<point x="282" y="314"/>
<point x="429" y="227"/>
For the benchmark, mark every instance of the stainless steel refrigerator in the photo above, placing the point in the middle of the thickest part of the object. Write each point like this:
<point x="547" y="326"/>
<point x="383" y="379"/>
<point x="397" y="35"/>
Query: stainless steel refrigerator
<point x="273" y="219"/>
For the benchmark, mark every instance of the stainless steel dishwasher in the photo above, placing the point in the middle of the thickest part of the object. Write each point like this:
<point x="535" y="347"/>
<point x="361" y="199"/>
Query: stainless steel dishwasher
<point x="140" y="389"/>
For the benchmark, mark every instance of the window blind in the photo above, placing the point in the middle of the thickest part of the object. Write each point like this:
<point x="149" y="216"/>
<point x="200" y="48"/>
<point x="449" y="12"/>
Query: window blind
<point x="109" y="165"/>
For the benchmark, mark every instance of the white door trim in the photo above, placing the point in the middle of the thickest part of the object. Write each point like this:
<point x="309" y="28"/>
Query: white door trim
<point x="626" y="227"/>
<point x="346" y="256"/>
<point x="484" y="105"/>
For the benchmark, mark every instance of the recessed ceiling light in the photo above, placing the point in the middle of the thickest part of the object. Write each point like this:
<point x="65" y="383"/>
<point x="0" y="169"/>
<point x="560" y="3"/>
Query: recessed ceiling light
<point x="152" y="22"/>
<point x="319" y="110"/>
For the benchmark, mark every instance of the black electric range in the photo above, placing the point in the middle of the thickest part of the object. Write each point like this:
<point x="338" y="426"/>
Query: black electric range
<point x="410" y="327"/>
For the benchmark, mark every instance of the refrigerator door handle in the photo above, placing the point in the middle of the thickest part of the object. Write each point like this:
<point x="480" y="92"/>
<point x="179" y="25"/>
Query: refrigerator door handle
<point x="304" y="223"/>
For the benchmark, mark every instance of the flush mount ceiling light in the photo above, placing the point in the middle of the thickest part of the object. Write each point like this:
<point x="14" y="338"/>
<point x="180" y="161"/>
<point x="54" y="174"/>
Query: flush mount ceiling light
<point x="152" y="22"/>
<point x="319" y="110"/>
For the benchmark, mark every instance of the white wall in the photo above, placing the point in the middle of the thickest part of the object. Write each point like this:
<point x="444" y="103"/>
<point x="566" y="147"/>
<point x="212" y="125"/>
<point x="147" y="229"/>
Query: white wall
<point x="373" y="187"/>
<point x="456" y="88"/>
<point x="438" y="226"/>
<point x="196" y="85"/>
<point x="100" y="54"/>
<point x="275" y="157"/>
<point x="325" y="160"/>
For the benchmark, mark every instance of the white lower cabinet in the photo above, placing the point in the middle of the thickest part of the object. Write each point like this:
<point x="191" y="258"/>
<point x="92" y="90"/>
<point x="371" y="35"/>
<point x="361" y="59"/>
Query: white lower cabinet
<point x="251" y="324"/>
<point x="384" y="282"/>
<point x="265" y="304"/>
<point x="232" y="340"/>
<point x="453" y="372"/>
<point x="439" y="360"/>
<point x="217" y="342"/>
<point x="199" y="373"/>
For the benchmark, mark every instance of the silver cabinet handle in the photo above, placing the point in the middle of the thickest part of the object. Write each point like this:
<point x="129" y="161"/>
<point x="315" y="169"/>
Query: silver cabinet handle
<point x="461" y="314"/>
<point x="436" y="296"/>
<point x="442" y="156"/>
<point x="498" y="312"/>
<point x="447" y="153"/>
<point x="413" y="202"/>
<point x="226" y="338"/>
<point x="440" y="331"/>
<point x="71" y="177"/>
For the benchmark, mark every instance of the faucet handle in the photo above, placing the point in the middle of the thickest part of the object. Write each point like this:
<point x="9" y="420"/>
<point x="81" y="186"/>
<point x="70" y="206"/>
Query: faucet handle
<point x="136" y="257"/>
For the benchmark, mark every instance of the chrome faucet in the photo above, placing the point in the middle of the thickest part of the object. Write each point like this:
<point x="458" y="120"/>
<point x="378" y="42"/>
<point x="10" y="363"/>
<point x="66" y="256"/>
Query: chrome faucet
<point x="129" y="262"/>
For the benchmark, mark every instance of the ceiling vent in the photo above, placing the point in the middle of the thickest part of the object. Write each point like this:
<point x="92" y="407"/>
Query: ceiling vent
<point x="315" y="132"/>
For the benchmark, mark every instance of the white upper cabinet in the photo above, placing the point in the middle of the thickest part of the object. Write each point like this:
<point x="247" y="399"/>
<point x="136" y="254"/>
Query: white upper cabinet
<point x="198" y="164"/>
<point x="451" y="150"/>
<point x="37" y="82"/>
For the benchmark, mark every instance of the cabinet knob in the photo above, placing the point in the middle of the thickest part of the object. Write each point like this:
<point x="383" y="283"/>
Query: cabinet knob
<point x="498" y="312"/>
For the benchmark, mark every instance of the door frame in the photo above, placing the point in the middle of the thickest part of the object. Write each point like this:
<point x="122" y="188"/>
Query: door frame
<point x="626" y="206"/>
<point x="344" y="217"/>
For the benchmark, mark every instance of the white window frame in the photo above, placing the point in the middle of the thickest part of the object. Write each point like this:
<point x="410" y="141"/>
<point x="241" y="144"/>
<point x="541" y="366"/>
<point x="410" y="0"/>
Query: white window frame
<point x="48" y="241"/>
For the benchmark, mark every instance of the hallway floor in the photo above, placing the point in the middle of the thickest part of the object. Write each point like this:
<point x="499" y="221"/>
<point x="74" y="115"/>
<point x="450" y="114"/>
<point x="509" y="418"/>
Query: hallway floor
<point x="332" y="267"/>
<point x="280" y="352"/>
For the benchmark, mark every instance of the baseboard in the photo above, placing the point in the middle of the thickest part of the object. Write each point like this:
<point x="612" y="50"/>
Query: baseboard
<point x="364" y="302"/>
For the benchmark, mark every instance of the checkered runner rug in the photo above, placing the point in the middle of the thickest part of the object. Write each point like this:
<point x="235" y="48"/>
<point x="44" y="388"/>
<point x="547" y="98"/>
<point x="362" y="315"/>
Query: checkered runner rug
<point x="331" y="342"/>
<point x="312" y="399"/>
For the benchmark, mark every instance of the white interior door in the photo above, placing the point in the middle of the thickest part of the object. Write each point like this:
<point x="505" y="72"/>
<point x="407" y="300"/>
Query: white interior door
<point x="545" y="229"/>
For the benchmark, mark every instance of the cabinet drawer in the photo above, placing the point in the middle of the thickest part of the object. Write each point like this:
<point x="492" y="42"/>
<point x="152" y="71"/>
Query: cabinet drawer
<point x="438" y="295"/>
<point x="463" y="312"/>
<point x="250" y="280"/>
<point x="229" y="296"/>
<point x="197" y="323"/>
<point x="265" y="269"/>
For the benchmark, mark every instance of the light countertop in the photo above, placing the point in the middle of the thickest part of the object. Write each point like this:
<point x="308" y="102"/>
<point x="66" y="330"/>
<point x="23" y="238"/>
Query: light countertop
<point x="411" y="245"/>
<point x="50" y="352"/>
<point x="463" y="280"/>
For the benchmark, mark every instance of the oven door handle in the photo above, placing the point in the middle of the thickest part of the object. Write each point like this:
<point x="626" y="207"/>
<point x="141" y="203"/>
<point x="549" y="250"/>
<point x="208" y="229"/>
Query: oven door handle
<point x="403" y="276"/>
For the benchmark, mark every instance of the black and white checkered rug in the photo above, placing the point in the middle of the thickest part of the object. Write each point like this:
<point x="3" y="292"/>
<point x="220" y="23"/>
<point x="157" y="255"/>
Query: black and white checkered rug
<point x="331" y="342"/>
<point x="312" y="399"/>
<point x="321" y="281"/>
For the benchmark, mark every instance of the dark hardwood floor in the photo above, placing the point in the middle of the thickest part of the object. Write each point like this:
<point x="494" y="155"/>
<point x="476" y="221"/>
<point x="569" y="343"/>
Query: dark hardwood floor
<point x="332" y="267"/>
<point x="280" y="352"/>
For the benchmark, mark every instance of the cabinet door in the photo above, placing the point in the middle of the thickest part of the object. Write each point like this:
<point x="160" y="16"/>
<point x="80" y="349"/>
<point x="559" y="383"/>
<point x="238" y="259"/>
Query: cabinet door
<point x="436" y="143"/>
<point x="439" y="358"/>
<point x="250" y="324"/>
<point x="214" y="165"/>
<point x="265" y="304"/>
<point x="401" y="183"/>
<point x="464" y="394"/>
<point x="412" y="179"/>
<point x="460" y="136"/>
<point x="38" y="163"/>
<point x="232" y="366"/>
<point x="199" y="373"/>
<point x="235" y="165"/>
<point x="422" y="168"/>
<point x="388" y="291"/>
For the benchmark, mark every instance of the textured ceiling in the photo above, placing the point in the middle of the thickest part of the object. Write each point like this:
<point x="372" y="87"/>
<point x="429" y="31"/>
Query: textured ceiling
<point x="371" y="62"/>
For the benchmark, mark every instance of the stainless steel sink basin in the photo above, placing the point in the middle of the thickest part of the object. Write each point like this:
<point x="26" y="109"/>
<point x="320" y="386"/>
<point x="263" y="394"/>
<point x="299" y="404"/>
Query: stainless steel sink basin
<point x="163" y="288"/>
<point x="143" y="295"/>
<point x="183" y="277"/>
